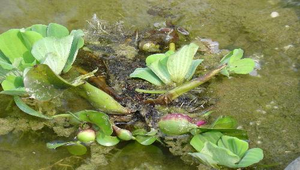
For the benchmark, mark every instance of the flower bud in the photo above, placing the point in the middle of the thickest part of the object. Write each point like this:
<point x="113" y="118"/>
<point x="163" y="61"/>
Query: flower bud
<point x="123" y="134"/>
<point x="200" y="123"/>
<point x="176" y="124"/>
<point x="86" y="136"/>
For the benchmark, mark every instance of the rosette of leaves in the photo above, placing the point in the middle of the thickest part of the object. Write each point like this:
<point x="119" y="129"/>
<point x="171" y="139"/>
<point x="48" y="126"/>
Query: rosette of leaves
<point x="217" y="150"/>
<point x="235" y="63"/>
<point x="170" y="68"/>
<point x="107" y="134"/>
<point x="32" y="59"/>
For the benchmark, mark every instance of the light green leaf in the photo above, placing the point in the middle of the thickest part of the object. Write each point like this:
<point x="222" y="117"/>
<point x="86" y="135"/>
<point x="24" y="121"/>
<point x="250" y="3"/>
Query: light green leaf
<point x="220" y="155"/>
<point x="4" y="62"/>
<point x="25" y="108"/>
<point x="76" y="149"/>
<point x="154" y="57"/>
<point x="206" y="159"/>
<point x="30" y="37"/>
<point x="243" y="66"/>
<point x="235" y="145"/>
<point x="98" y="118"/>
<point x="139" y="132"/>
<point x="198" y="140"/>
<point x="191" y="72"/>
<point x="225" y="72"/>
<point x="77" y="43"/>
<point x="12" y="82"/>
<point x="146" y="140"/>
<point x="236" y="55"/>
<point x="13" y="45"/>
<point x="15" y="92"/>
<point x="160" y="70"/>
<point x="224" y="122"/>
<point x="226" y="58"/>
<point x="53" y="52"/>
<point x="39" y="28"/>
<point x="56" y="30"/>
<point x="146" y="74"/>
<point x="251" y="157"/>
<point x="43" y="84"/>
<point x="106" y="140"/>
<point x="179" y="63"/>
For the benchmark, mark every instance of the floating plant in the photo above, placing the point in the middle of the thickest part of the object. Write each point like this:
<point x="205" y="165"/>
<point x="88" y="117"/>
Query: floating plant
<point x="32" y="59"/>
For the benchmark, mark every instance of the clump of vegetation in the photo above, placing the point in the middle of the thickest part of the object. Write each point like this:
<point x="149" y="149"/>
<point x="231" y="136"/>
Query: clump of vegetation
<point x="35" y="63"/>
<point x="32" y="60"/>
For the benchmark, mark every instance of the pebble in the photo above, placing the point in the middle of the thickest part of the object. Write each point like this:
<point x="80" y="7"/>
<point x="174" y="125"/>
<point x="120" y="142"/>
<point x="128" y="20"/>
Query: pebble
<point x="274" y="14"/>
<point x="295" y="165"/>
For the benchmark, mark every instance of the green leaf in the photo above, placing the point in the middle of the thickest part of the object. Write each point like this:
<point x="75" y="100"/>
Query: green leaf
<point x="106" y="140"/>
<point x="54" y="145"/>
<point x="224" y="122"/>
<point x="160" y="70"/>
<point x="220" y="155"/>
<point x="4" y="62"/>
<point x="25" y="108"/>
<point x="243" y="66"/>
<point x="53" y="52"/>
<point x="236" y="56"/>
<point x="251" y="157"/>
<point x="154" y="57"/>
<point x="146" y="74"/>
<point x="235" y="145"/>
<point x="15" y="92"/>
<point x="206" y="159"/>
<point x="179" y="63"/>
<point x="77" y="149"/>
<point x="43" y="84"/>
<point x="139" y="132"/>
<point x="98" y="118"/>
<point x="198" y="140"/>
<point x="13" y="45"/>
<point x="226" y="58"/>
<point x="30" y="37"/>
<point x="56" y="30"/>
<point x="12" y="82"/>
<point x="39" y="28"/>
<point x="191" y="72"/>
<point x="77" y="43"/>
<point x="146" y="140"/>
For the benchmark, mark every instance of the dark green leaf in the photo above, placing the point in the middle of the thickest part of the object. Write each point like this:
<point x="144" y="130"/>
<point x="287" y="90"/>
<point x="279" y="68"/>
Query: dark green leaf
<point x="43" y="84"/>
<point x="98" y="118"/>
<point x="25" y="108"/>
<point x="241" y="134"/>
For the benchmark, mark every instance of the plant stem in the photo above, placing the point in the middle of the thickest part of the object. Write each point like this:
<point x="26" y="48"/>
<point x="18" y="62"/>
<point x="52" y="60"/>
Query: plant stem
<point x="150" y="91"/>
<point x="178" y="91"/>
<point x="100" y="100"/>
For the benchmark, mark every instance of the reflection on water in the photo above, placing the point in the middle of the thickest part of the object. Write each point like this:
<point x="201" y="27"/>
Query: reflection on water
<point x="267" y="106"/>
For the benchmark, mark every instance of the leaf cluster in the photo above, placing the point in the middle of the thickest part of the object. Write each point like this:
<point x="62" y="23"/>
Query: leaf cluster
<point x="170" y="67"/>
<point x="216" y="149"/>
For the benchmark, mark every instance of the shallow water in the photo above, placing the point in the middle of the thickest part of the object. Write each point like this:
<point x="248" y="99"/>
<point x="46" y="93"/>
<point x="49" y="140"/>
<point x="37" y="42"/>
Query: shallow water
<point x="268" y="106"/>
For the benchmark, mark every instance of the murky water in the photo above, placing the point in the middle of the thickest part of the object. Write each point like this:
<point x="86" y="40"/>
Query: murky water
<point x="268" y="106"/>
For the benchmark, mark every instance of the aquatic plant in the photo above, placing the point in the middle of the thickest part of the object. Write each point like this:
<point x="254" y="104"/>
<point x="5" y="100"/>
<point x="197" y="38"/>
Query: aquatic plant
<point x="171" y="67"/>
<point x="230" y="64"/>
<point x="100" y="129"/>
<point x="216" y="149"/>
<point x="32" y="59"/>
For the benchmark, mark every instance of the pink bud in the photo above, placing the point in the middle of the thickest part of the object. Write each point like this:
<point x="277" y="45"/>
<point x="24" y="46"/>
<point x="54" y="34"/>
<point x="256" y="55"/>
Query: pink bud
<point x="200" y="123"/>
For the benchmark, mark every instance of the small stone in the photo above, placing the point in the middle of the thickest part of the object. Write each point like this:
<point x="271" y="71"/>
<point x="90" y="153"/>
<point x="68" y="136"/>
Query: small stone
<point x="274" y="14"/>
<point x="295" y="165"/>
